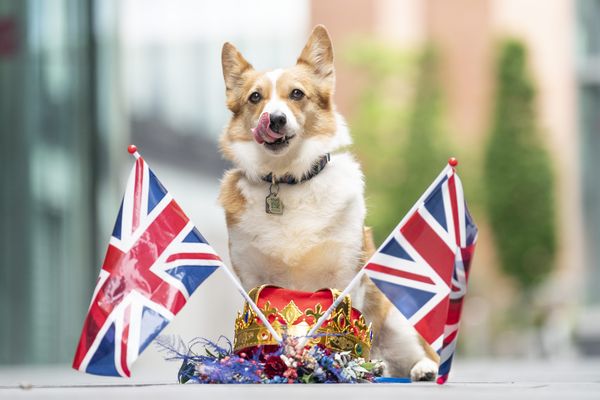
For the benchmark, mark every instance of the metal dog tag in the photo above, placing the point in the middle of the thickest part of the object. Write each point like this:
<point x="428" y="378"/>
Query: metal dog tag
<point x="273" y="204"/>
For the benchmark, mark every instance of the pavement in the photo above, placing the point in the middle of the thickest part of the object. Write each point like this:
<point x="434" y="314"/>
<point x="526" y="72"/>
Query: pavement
<point x="481" y="379"/>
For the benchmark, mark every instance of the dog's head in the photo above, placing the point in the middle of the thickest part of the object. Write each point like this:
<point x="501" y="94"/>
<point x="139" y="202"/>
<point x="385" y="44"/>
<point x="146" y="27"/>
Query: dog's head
<point x="284" y="119"/>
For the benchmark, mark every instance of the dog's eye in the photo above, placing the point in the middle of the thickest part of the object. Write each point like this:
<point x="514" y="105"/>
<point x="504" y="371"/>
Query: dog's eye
<point x="255" y="97"/>
<point x="296" y="94"/>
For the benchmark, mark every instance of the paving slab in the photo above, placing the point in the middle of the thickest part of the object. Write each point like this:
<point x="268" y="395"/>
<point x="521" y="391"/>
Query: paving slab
<point x="481" y="379"/>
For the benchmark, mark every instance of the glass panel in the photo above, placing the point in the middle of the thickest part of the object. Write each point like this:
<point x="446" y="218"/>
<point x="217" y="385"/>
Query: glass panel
<point x="590" y="124"/>
<point x="47" y="233"/>
<point x="589" y="35"/>
<point x="589" y="117"/>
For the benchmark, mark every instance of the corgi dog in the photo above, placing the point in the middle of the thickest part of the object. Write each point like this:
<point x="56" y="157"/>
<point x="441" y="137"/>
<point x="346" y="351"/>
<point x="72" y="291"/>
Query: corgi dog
<point x="294" y="203"/>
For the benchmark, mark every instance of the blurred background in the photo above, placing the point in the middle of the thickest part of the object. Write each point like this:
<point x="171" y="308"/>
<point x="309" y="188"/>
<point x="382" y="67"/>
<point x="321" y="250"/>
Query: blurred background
<point x="509" y="87"/>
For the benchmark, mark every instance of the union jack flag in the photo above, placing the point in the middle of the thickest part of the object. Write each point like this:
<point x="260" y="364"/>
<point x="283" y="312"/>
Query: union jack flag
<point x="466" y="237"/>
<point x="155" y="260"/>
<point x="418" y="267"/>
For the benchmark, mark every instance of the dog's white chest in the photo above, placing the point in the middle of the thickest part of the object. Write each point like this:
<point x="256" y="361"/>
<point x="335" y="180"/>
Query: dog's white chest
<point x="315" y="242"/>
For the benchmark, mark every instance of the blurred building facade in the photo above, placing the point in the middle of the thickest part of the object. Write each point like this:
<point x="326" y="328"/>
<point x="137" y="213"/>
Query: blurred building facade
<point x="562" y="38"/>
<point x="48" y="131"/>
<point x="81" y="79"/>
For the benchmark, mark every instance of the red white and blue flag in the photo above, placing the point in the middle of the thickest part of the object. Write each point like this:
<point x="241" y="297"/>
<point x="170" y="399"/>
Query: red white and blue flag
<point x="420" y="266"/>
<point x="466" y="237"/>
<point x="155" y="260"/>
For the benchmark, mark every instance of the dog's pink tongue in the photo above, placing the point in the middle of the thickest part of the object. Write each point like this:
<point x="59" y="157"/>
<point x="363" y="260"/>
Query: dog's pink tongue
<point x="257" y="136"/>
<point x="262" y="133"/>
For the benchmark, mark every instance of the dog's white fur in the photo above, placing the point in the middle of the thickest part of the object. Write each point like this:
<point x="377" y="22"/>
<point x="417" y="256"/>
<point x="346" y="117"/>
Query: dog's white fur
<point x="318" y="241"/>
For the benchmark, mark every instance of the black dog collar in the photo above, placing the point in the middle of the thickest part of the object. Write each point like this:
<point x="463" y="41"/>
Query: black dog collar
<point x="317" y="167"/>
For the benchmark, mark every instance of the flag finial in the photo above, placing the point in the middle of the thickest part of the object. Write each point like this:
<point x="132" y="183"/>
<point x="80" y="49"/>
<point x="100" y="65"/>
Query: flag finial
<point x="453" y="162"/>
<point x="132" y="149"/>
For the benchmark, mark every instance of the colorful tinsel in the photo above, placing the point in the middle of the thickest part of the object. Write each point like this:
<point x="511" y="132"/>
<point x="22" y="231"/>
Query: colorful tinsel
<point x="289" y="363"/>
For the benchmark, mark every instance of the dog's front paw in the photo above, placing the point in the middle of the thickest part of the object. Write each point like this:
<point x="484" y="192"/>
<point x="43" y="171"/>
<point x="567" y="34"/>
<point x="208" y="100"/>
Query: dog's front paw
<point x="424" y="370"/>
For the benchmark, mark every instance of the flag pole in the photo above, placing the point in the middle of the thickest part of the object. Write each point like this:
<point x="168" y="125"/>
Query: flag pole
<point x="132" y="149"/>
<point x="252" y="305"/>
<point x="452" y="162"/>
<point x="333" y="306"/>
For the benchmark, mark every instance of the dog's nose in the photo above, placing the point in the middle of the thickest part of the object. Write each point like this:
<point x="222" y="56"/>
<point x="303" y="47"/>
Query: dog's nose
<point x="278" y="121"/>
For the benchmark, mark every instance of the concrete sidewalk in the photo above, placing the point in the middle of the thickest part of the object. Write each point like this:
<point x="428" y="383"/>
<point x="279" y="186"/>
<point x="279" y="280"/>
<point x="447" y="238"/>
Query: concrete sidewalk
<point x="469" y="379"/>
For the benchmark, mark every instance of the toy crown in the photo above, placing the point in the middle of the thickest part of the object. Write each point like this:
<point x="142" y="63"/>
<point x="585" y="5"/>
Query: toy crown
<point x="293" y="313"/>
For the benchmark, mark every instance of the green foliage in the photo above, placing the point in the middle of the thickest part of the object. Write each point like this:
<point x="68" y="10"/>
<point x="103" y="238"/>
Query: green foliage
<point x="397" y="131"/>
<point x="518" y="179"/>
<point x="426" y="151"/>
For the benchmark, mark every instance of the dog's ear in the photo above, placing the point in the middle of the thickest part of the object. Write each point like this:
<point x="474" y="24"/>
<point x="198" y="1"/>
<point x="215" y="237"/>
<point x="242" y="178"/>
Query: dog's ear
<point x="234" y="66"/>
<point x="318" y="53"/>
